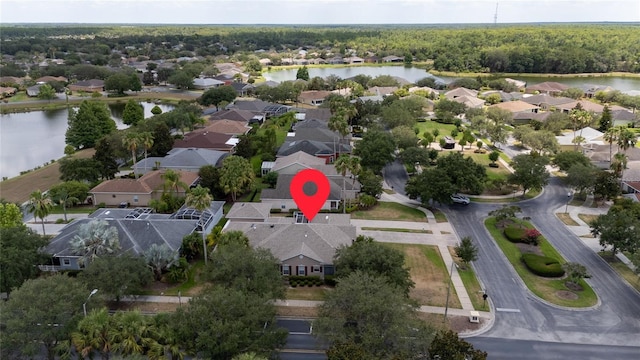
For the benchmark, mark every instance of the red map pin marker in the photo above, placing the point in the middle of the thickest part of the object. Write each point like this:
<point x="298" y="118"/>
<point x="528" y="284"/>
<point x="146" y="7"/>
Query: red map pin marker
<point x="310" y="204"/>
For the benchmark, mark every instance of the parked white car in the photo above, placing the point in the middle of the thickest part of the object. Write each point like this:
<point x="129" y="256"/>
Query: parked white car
<point x="460" y="199"/>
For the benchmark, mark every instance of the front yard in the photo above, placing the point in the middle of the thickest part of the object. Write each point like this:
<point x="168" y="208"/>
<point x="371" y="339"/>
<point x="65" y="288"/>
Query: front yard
<point x="390" y="211"/>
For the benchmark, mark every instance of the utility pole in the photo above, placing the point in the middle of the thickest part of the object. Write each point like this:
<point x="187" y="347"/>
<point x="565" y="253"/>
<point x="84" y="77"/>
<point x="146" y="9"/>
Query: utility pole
<point x="495" y="16"/>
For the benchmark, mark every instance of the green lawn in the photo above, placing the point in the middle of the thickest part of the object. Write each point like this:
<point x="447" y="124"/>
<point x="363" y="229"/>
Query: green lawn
<point x="492" y="173"/>
<point x="473" y="287"/>
<point x="413" y="231"/>
<point x="430" y="125"/>
<point x="439" y="215"/>
<point x="545" y="288"/>
<point x="390" y="211"/>
<point x="312" y="293"/>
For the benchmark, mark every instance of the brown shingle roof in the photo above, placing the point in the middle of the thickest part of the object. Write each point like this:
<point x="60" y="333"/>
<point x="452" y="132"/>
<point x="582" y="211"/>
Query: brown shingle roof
<point x="515" y="106"/>
<point x="228" y="127"/>
<point x="148" y="183"/>
<point x="204" y="139"/>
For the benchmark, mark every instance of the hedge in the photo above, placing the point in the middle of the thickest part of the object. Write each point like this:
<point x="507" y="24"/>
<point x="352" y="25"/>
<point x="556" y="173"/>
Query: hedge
<point x="514" y="233"/>
<point x="542" y="265"/>
<point x="295" y="281"/>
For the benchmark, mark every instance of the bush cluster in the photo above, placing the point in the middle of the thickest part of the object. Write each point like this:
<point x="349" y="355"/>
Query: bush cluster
<point x="542" y="265"/>
<point x="514" y="233"/>
<point x="296" y="281"/>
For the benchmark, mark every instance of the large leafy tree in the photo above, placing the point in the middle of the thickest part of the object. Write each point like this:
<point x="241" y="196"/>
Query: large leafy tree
<point x="530" y="172"/>
<point x="237" y="322"/>
<point x="566" y="159"/>
<point x="10" y="215"/>
<point x="46" y="92"/>
<point x="374" y="316"/>
<point x="375" y="150"/>
<point x="368" y="256"/>
<point x="21" y="252"/>
<point x="466" y="250"/>
<point x="117" y="276"/>
<point x="210" y="178"/>
<point x="236" y="175"/>
<point x="606" y="185"/>
<point x="42" y="312"/>
<point x="94" y="239"/>
<point x="619" y="229"/>
<point x="118" y="83"/>
<point x="433" y="184"/>
<point x="464" y="173"/>
<point x="40" y="206"/>
<point x="582" y="177"/>
<point x="89" y="170"/>
<point x="89" y="124"/>
<point x="447" y="345"/>
<point x="253" y="271"/>
<point x="133" y="113"/>
<point x="218" y="95"/>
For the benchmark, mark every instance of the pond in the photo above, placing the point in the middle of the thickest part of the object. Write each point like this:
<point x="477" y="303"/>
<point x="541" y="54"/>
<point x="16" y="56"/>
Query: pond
<point x="33" y="138"/>
<point x="413" y="74"/>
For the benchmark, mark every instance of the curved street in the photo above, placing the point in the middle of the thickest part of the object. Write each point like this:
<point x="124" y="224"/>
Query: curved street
<point x="533" y="327"/>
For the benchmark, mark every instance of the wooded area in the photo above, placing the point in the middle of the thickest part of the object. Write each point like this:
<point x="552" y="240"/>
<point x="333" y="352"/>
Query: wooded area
<point x="537" y="48"/>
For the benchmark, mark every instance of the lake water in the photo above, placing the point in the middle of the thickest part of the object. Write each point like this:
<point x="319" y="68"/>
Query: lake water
<point x="413" y="74"/>
<point x="30" y="139"/>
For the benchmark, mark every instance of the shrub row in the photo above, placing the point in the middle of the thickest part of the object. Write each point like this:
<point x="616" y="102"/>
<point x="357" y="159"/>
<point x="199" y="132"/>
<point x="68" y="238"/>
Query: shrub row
<point x="514" y="233"/>
<point x="542" y="265"/>
<point x="296" y="281"/>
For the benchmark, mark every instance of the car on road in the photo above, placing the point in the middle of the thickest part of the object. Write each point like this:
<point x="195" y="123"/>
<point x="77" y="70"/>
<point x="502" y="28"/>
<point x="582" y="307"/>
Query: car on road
<point x="460" y="199"/>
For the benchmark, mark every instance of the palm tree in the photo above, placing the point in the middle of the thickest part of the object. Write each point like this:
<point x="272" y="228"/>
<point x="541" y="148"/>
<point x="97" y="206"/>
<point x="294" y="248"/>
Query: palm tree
<point x="200" y="199"/>
<point x="94" y="239"/>
<point x="146" y="139"/>
<point x="40" y="205"/>
<point x="135" y="333"/>
<point x="354" y="168"/>
<point x="342" y="165"/>
<point x="618" y="164"/>
<point x="626" y="139"/>
<point x="65" y="200"/>
<point x="131" y="141"/>
<point x="172" y="181"/>
<point x="95" y="334"/>
<point x="611" y="136"/>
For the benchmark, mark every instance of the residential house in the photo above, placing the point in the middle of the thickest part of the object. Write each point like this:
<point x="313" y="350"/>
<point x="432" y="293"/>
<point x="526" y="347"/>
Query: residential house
<point x="259" y="107"/>
<point x="243" y="89"/>
<point x="11" y="80"/>
<point x="46" y="79"/>
<point x="280" y="197"/>
<point x="34" y="91"/>
<point x="516" y="106"/>
<point x="7" y="92"/>
<point x="313" y="97"/>
<point x="354" y="60"/>
<point x="336" y="60"/>
<point x="504" y="96"/>
<point x="242" y="116"/>
<point x="206" y="83"/>
<point x="392" y="59"/>
<point x="520" y="118"/>
<point x="590" y="91"/>
<point x="182" y="159"/>
<point x="458" y="92"/>
<point x="228" y="127"/>
<point x="203" y="139"/>
<point x="586" y="105"/>
<point x="518" y="83"/>
<point x="372" y="59"/>
<point x="322" y="114"/>
<point x="382" y="90"/>
<point x="93" y="85"/>
<point x="138" y="192"/>
<point x="265" y="62"/>
<point x="138" y="229"/>
<point x="546" y="101"/>
<point x="249" y="212"/>
<point x="303" y="248"/>
<point x="328" y="152"/>
<point x="591" y="137"/>
<point x="547" y="87"/>
<point x="623" y="117"/>
<point x="292" y="164"/>
<point x="470" y="102"/>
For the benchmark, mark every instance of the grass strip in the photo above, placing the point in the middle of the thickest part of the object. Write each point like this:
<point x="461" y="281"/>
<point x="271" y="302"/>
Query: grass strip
<point x="567" y="219"/>
<point x="390" y="211"/>
<point x="544" y="288"/>
<point x="415" y="231"/>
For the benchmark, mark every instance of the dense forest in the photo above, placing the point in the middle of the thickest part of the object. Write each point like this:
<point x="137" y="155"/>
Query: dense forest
<point x="542" y="48"/>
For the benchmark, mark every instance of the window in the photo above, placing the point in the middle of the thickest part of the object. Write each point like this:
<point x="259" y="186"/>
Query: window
<point x="283" y="206"/>
<point x="316" y="269"/>
<point x="285" y="270"/>
<point x="66" y="262"/>
<point x="135" y="199"/>
<point x="302" y="271"/>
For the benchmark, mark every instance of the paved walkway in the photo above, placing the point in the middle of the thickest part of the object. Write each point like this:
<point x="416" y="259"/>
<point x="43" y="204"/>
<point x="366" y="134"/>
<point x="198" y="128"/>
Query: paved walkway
<point x="50" y="226"/>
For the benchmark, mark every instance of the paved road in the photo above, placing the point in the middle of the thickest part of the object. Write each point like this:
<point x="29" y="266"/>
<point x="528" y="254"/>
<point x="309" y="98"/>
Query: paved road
<point x="520" y="315"/>
<point x="301" y="344"/>
<point x="396" y="176"/>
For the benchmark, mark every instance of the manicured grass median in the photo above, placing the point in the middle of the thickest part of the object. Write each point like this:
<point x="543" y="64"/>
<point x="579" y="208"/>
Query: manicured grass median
<point x="544" y="288"/>
<point x="390" y="211"/>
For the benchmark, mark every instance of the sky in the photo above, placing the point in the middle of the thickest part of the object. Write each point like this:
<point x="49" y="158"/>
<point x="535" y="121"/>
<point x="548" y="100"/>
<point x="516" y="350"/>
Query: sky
<point x="316" y="11"/>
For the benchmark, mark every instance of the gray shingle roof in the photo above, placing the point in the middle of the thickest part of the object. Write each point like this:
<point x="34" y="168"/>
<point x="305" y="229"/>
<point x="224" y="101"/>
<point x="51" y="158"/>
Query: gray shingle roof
<point x="286" y="241"/>
<point x="310" y="147"/>
<point x="184" y="158"/>
<point x="248" y="210"/>
<point x="284" y="182"/>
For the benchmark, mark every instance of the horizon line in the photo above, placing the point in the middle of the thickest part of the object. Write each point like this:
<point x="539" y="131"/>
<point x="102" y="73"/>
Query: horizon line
<point x="320" y="24"/>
